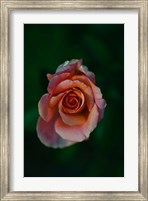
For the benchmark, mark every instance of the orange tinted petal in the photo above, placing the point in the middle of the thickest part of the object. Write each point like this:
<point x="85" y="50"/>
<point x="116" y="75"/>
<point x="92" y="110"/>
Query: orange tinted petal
<point x="56" y="80"/>
<point x="86" y="90"/>
<point x="78" y="96"/>
<point x="45" y="111"/>
<point x="78" y="133"/>
<point x="101" y="103"/>
<point x="71" y="133"/>
<point x="96" y="90"/>
<point x="72" y="119"/>
<point x="91" y="122"/>
<point x="81" y="78"/>
<point x="54" y="100"/>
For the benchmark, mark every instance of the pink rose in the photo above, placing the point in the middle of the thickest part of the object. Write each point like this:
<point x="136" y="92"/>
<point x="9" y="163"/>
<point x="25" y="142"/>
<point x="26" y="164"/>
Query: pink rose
<point x="71" y="108"/>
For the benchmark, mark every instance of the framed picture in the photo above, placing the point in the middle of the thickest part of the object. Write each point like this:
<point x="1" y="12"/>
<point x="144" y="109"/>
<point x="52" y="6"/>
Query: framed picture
<point x="74" y="100"/>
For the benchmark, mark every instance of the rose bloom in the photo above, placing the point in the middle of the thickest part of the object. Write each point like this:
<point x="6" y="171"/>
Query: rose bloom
<point x="71" y="108"/>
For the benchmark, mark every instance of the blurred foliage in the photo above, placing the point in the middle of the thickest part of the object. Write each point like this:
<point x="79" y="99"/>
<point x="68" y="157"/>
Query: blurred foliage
<point x="101" y="46"/>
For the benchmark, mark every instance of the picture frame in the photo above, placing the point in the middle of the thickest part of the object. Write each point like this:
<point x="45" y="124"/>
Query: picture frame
<point x="142" y="193"/>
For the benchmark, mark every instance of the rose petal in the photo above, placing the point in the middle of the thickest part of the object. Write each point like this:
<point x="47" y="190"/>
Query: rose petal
<point x="56" y="80"/>
<point x="55" y="99"/>
<point x="75" y="92"/>
<point x="101" y="103"/>
<point x="50" y="76"/>
<point x="82" y="78"/>
<point x="71" y="133"/>
<point x="48" y="136"/>
<point x="86" y="90"/>
<point x="81" y="132"/>
<point x="96" y="90"/>
<point x="88" y="73"/>
<point x="72" y="119"/>
<point x="45" y="111"/>
<point x="69" y="66"/>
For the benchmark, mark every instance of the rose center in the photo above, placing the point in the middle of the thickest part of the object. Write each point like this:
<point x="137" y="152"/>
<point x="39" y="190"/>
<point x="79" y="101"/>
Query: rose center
<point x="71" y="100"/>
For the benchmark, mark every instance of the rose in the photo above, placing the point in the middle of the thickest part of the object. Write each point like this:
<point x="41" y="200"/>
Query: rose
<point x="71" y="109"/>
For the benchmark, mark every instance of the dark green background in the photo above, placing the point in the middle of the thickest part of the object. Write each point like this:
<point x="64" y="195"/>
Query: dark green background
<point x="101" y="46"/>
